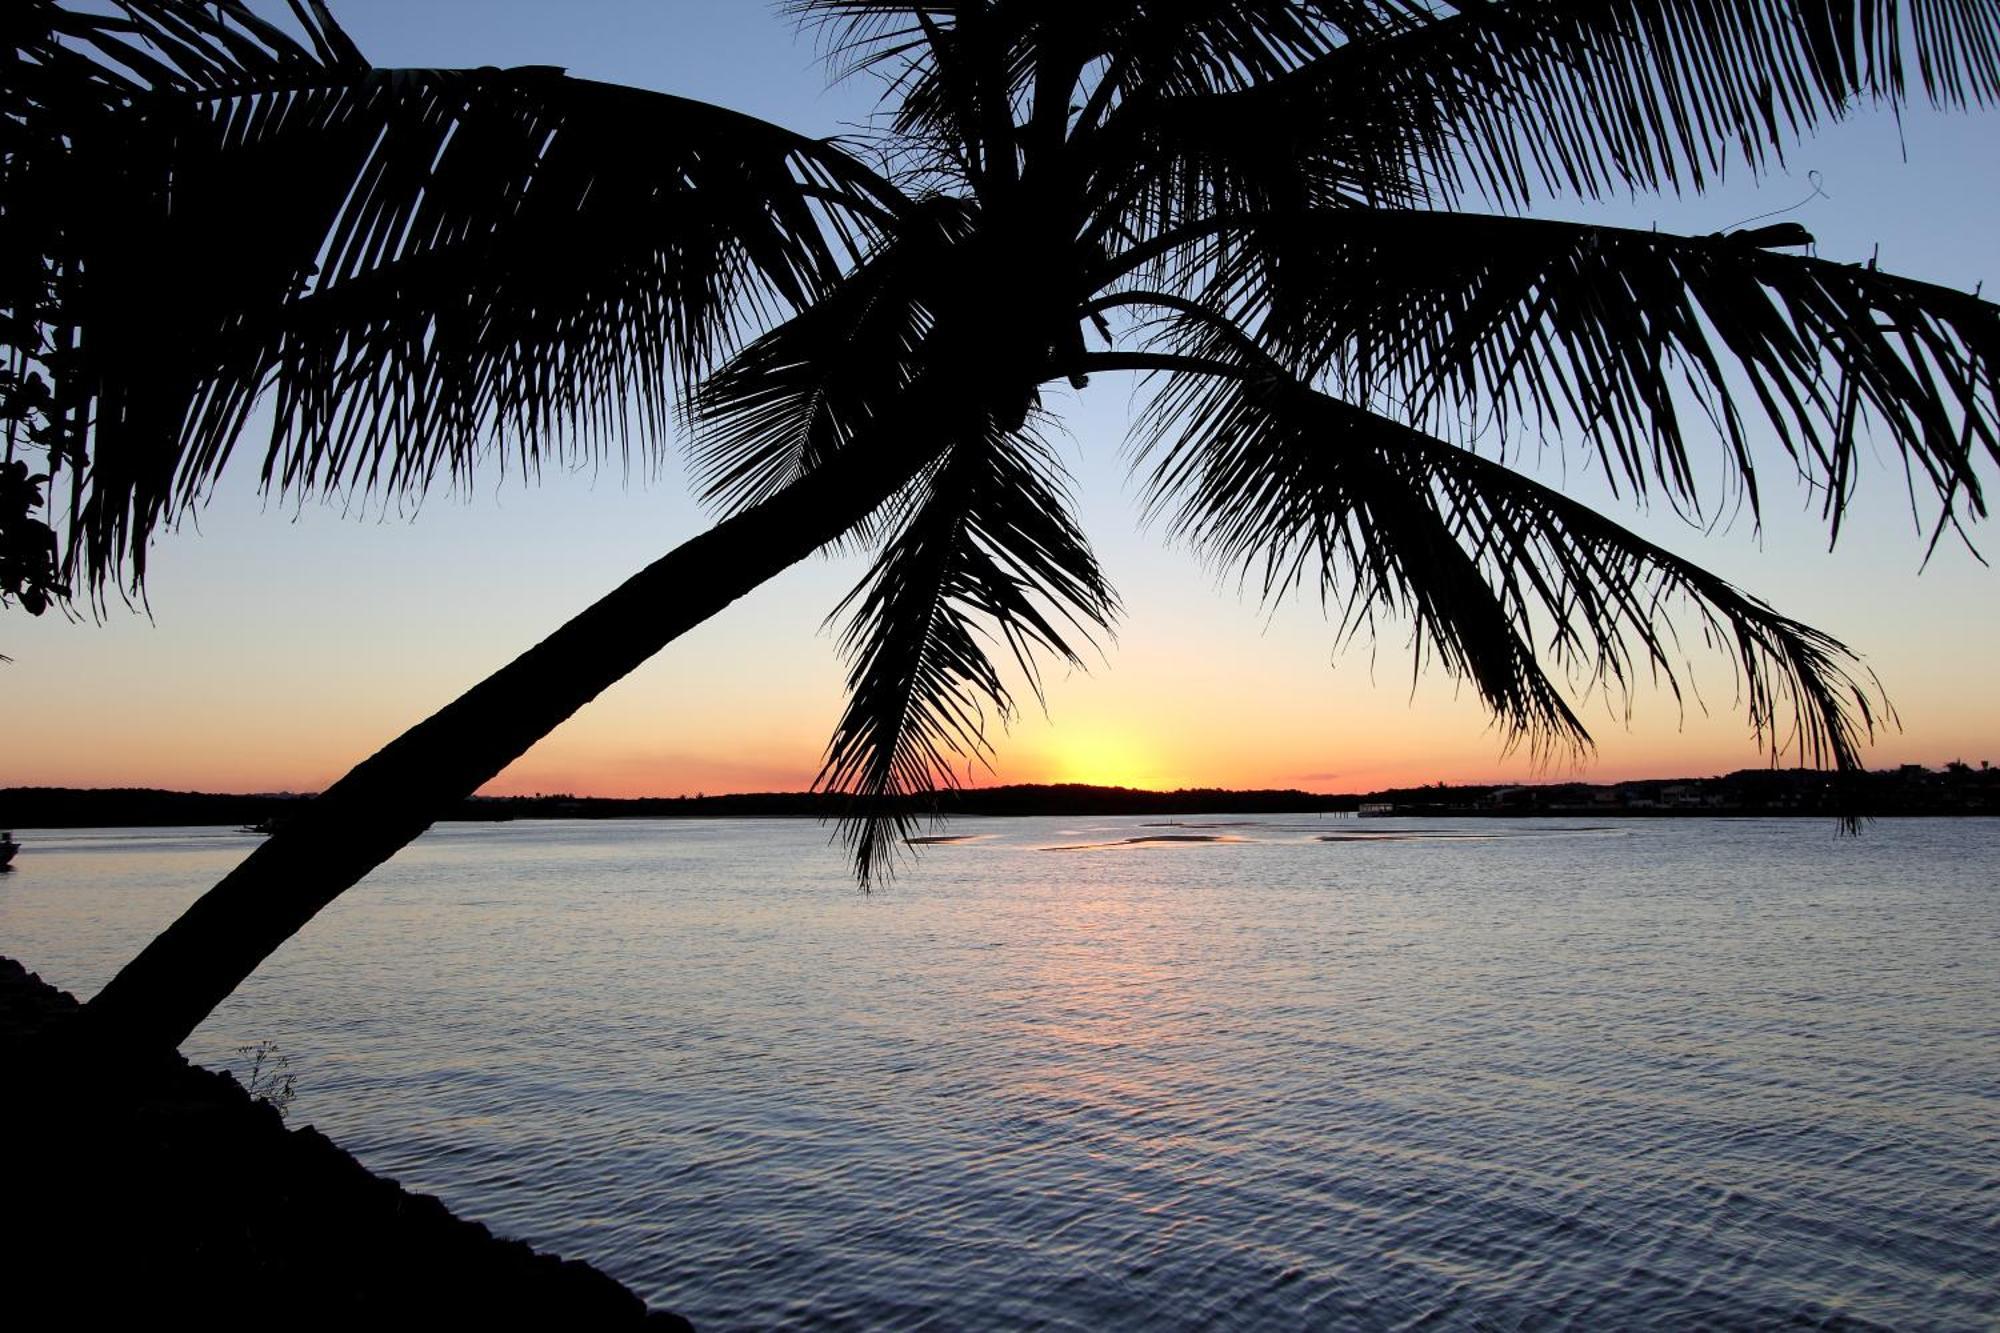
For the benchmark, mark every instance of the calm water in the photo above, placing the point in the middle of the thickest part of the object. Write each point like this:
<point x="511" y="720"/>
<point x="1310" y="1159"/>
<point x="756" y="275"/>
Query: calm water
<point x="1700" y="1073"/>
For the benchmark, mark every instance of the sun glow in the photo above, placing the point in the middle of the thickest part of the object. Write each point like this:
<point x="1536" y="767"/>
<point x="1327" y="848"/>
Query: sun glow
<point x="1105" y="758"/>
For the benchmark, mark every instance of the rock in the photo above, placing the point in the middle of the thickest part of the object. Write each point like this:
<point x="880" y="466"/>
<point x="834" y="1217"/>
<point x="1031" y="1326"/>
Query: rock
<point x="140" y="1187"/>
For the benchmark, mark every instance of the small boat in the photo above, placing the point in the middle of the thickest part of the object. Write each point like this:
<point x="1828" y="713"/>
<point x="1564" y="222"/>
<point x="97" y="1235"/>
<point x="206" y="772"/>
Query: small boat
<point x="7" y="849"/>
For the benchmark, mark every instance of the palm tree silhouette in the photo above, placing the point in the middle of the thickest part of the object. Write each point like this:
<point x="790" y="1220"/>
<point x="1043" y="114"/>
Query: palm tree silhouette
<point x="1262" y="205"/>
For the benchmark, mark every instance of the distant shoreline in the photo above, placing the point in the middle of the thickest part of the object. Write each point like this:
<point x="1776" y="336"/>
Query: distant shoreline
<point x="1957" y="789"/>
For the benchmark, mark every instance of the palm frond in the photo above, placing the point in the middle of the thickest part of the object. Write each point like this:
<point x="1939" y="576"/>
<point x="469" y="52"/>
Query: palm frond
<point x="954" y="72"/>
<point x="984" y="548"/>
<point x="1609" y="333"/>
<point x="172" y="44"/>
<point x="864" y="33"/>
<point x="808" y="388"/>
<point x="1173" y="135"/>
<point x="439" y="263"/>
<point x="1494" y="571"/>
<point x="961" y="75"/>
<point x="1184" y="48"/>
<point x="1517" y="97"/>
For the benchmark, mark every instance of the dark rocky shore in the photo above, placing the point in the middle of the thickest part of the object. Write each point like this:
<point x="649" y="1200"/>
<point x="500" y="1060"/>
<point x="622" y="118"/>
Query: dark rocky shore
<point x="141" y="1189"/>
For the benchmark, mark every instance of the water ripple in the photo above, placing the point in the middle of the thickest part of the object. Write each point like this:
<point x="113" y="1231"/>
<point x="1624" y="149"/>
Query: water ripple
<point x="1689" y="1074"/>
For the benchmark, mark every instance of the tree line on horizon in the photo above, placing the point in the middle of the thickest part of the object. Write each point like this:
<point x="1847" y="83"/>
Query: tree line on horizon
<point x="1956" y="788"/>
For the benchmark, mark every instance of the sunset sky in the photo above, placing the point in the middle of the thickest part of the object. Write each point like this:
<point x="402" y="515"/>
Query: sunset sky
<point x="284" y="644"/>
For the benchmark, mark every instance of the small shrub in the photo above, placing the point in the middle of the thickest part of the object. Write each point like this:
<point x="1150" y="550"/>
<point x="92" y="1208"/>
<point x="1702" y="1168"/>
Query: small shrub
<point x="270" y="1079"/>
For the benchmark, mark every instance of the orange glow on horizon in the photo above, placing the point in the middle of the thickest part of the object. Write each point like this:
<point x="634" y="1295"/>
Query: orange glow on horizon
<point x="1101" y="756"/>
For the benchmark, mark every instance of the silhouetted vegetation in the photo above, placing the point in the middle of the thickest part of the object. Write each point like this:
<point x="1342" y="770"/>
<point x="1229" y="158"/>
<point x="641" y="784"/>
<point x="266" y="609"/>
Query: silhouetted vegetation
<point x="1956" y="789"/>
<point x="1908" y="790"/>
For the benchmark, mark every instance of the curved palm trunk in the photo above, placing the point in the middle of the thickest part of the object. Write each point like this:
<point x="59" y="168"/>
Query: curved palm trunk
<point x="383" y="804"/>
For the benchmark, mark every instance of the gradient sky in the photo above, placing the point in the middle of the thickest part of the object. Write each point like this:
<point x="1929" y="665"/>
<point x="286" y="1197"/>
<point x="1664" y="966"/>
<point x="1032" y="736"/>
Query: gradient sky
<point x="284" y="644"/>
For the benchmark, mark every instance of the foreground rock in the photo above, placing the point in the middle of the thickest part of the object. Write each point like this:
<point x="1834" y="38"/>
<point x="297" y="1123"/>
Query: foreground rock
<point x="138" y="1190"/>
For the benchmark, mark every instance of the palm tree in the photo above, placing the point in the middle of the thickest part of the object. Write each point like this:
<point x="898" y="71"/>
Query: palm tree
<point x="1264" y="206"/>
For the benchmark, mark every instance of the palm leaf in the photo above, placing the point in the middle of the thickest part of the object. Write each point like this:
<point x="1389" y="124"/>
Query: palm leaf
<point x="1182" y="139"/>
<point x="1496" y="572"/>
<point x="984" y="541"/>
<point x="1179" y="168"/>
<point x="988" y="85"/>
<point x="1517" y="97"/>
<point x="952" y="70"/>
<point x="443" y="262"/>
<point x="1609" y="333"/>
<point x="811" y="386"/>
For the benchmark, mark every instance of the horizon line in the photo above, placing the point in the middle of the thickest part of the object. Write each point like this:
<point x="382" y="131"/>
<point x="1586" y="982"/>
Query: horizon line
<point x="1945" y="766"/>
